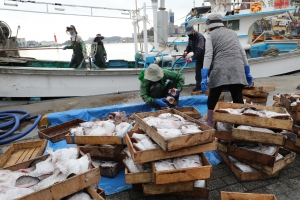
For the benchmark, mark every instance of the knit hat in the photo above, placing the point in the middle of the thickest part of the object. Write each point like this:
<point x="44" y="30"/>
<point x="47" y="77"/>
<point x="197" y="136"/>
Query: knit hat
<point x="154" y="73"/>
<point x="214" y="20"/>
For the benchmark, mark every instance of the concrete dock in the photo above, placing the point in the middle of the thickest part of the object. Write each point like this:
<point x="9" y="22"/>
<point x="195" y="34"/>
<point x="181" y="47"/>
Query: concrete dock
<point x="286" y="187"/>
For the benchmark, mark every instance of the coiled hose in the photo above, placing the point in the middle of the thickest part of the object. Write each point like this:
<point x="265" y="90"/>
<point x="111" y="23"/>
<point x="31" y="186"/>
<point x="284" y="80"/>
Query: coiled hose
<point x="16" y="116"/>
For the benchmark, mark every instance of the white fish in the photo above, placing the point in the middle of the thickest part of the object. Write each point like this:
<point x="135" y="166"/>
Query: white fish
<point x="75" y="166"/>
<point x="10" y="177"/>
<point x="138" y="136"/>
<point x="164" y="165"/>
<point x="187" y="129"/>
<point x="133" y="168"/>
<point x="79" y="196"/>
<point x="78" y="131"/>
<point x="223" y="126"/>
<point x="199" y="184"/>
<point x="171" y="116"/>
<point x="268" y="150"/>
<point x="127" y="152"/>
<point x="100" y="131"/>
<point x="43" y="168"/>
<point x="9" y="192"/>
<point x="122" y="128"/>
<point x="244" y="168"/>
<point x="107" y="164"/>
<point x="279" y="156"/>
<point x="56" y="177"/>
<point x="187" y="161"/>
<point x="251" y="128"/>
<point x="88" y="127"/>
<point x="103" y="128"/>
<point x="169" y="133"/>
<point x="153" y="121"/>
<point x="63" y="154"/>
<point x="145" y="144"/>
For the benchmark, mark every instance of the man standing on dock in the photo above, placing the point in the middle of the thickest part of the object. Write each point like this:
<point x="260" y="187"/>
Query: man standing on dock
<point x="196" y="44"/>
<point x="79" y="49"/>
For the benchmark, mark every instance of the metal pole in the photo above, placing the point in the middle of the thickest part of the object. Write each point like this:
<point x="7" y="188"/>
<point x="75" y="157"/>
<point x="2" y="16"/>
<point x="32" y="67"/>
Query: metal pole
<point x="145" y="31"/>
<point x="154" y="7"/>
<point x="135" y="36"/>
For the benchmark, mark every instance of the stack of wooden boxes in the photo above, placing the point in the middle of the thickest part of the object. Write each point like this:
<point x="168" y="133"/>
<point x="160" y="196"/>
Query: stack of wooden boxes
<point x="177" y="181"/>
<point x="257" y="94"/>
<point x="245" y="163"/>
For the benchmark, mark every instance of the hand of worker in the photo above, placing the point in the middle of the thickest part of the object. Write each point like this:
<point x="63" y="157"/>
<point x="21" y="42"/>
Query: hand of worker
<point x="93" y="60"/>
<point x="65" y="47"/>
<point x="204" y="74"/>
<point x="248" y="75"/>
<point x="161" y="103"/>
<point x="184" y="54"/>
<point x="105" y="58"/>
<point x="189" y="60"/>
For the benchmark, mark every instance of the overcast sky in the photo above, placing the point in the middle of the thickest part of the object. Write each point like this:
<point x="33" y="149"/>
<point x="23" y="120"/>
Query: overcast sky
<point x="35" y="26"/>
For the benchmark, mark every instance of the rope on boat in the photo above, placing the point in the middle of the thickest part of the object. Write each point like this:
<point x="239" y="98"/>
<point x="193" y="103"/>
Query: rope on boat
<point x="272" y="51"/>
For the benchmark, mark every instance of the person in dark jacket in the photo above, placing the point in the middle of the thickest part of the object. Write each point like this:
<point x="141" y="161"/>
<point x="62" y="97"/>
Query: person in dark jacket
<point x="79" y="49"/>
<point x="158" y="85"/>
<point x="225" y="63"/>
<point x="196" y="44"/>
<point x="101" y="55"/>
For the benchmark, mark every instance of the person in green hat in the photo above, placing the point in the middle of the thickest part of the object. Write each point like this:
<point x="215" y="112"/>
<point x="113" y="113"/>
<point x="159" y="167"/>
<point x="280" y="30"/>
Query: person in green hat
<point x="155" y="88"/>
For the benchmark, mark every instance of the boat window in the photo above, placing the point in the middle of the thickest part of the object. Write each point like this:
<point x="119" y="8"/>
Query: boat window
<point x="233" y="25"/>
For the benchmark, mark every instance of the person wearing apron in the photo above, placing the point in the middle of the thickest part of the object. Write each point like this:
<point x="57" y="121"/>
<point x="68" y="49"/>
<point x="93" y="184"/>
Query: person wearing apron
<point x="101" y="55"/>
<point x="79" y="49"/>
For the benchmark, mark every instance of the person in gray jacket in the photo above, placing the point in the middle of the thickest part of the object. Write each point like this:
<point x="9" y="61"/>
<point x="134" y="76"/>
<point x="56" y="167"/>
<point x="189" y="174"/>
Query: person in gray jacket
<point x="226" y="64"/>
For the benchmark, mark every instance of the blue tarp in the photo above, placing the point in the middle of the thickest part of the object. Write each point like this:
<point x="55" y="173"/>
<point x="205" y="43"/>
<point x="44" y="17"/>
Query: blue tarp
<point x="117" y="184"/>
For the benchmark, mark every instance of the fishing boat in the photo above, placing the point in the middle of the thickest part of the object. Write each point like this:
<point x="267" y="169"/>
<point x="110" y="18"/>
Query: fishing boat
<point x="26" y="77"/>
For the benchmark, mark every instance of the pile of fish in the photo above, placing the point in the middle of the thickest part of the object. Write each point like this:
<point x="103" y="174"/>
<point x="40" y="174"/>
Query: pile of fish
<point x="243" y="167"/>
<point x="171" y="125"/>
<point x="179" y="163"/>
<point x="116" y="125"/>
<point x="133" y="168"/>
<point x="143" y="142"/>
<point x="251" y="111"/>
<point x="59" y="166"/>
<point x="251" y="128"/>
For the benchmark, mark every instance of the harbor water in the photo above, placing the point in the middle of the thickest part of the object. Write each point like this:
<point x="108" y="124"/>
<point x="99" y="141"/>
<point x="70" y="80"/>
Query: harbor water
<point x="114" y="51"/>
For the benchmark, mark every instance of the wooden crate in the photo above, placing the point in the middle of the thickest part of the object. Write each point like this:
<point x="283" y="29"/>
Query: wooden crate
<point x="253" y="156"/>
<point x="140" y="157"/>
<point x="256" y="136"/>
<point x="183" y="175"/>
<point x="276" y="98"/>
<point x="206" y="136"/>
<point x="138" y="178"/>
<point x="111" y="172"/>
<point x="96" y="195"/>
<point x="246" y="196"/>
<point x="255" y="99"/>
<point x="291" y="146"/>
<point x="251" y="92"/>
<point x="21" y="152"/>
<point x="266" y="88"/>
<point x="66" y="187"/>
<point x="252" y="120"/>
<point x="287" y="103"/>
<point x="190" y="111"/>
<point x="288" y="158"/>
<point x="57" y="133"/>
<point x="101" y="150"/>
<point x="152" y="189"/>
<point x="196" y="192"/>
<point x="244" y="176"/>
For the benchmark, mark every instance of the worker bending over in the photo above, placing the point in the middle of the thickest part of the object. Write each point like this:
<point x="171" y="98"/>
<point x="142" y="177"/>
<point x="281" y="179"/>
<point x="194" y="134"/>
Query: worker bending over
<point x="160" y="87"/>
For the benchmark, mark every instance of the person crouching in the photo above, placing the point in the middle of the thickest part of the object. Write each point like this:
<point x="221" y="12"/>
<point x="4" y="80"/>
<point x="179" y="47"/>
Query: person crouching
<point x="160" y="87"/>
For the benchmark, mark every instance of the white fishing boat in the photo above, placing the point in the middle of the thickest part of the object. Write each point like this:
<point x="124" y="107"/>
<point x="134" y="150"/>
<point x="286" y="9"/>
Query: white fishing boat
<point x="31" y="80"/>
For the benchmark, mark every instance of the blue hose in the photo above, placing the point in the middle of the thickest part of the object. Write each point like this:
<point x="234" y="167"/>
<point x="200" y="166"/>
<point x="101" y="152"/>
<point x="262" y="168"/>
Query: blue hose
<point x="17" y="119"/>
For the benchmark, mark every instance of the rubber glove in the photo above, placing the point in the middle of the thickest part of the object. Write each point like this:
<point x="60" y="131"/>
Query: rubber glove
<point x="171" y="92"/>
<point x="93" y="60"/>
<point x="105" y="58"/>
<point x="65" y="47"/>
<point x="161" y="103"/>
<point x="184" y="54"/>
<point x="204" y="74"/>
<point x="189" y="60"/>
<point x="248" y="75"/>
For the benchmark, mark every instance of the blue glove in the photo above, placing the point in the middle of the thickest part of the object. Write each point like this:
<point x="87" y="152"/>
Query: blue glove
<point x="204" y="74"/>
<point x="161" y="103"/>
<point x="248" y="75"/>
<point x="93" y="60"/>
<point x="65" y="47"/>
<point x="105" y="58"/>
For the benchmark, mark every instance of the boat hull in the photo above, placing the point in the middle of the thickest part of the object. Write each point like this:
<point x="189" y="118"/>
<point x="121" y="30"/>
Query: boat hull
<point x="38" y="82"/>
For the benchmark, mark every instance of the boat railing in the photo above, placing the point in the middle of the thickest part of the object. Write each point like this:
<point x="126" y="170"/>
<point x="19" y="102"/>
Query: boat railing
<point x="262" y="34"/>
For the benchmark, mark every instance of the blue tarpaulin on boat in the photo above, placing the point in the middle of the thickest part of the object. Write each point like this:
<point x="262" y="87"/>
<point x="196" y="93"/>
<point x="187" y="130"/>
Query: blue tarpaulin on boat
<point x="117" y="184"/>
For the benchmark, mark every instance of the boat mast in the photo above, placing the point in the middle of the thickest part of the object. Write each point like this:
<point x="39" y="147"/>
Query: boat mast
<point x="154" y="7"/>
<point x="145" y="18"/>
